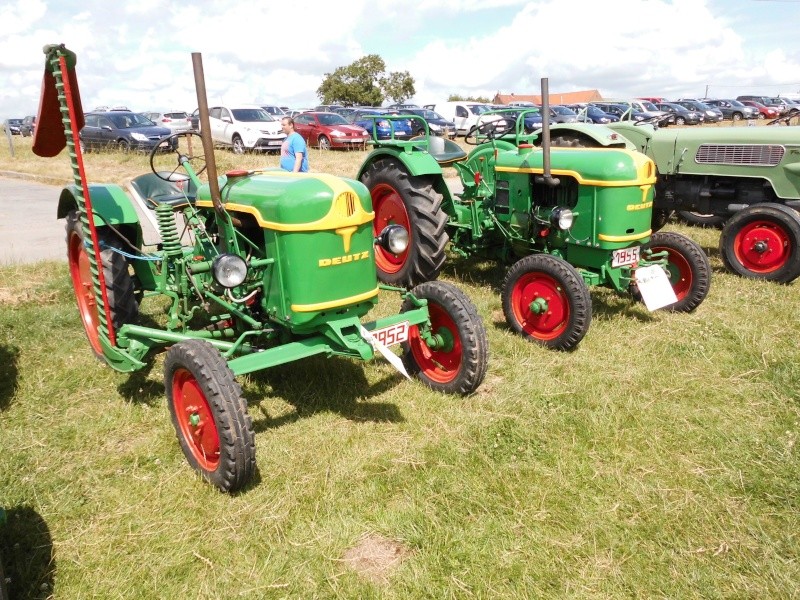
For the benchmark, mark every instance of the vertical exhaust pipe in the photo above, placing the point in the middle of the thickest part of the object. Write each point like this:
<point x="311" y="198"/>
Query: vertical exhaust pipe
<point x="205" y="132"/>
<point x="546" y="177"/>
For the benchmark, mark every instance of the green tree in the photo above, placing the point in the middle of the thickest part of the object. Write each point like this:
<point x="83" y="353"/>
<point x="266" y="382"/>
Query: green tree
<point x="398" y="86"/>
<point x="365" y="82"/>
<point x="460" y="98"/>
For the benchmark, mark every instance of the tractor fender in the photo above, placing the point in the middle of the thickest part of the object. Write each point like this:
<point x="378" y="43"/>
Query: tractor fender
<point x="110" y="204"/>
<point x="417" y="163"/>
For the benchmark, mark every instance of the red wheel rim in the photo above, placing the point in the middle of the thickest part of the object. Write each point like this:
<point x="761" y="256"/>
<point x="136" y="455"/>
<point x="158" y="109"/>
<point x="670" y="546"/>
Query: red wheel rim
<point x="81" y="274"/>
<point x="195" y="419"/>
<point x="441" y="366"/>
<point x="389" y="210"/>
<point x="539" y="287"/>
<point x="680" y="271"/>
<point x="762" y="246"/>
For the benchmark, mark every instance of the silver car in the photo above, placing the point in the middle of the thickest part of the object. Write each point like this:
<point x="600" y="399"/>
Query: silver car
<point x="176" y="120"/>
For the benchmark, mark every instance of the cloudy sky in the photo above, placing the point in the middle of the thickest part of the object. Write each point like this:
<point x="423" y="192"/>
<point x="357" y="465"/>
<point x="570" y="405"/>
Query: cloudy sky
<point x="138" y="53"/>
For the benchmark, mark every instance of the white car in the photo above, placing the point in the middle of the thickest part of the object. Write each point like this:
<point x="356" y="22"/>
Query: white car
<point x="245" y="127"/>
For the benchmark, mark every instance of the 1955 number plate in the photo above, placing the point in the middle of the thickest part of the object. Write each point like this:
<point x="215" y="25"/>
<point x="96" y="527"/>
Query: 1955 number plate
<point x="393" y="334"/>
<point x="625" y="256"/>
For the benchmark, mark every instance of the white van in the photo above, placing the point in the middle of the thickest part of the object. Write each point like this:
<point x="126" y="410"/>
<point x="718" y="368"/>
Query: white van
<point x="464" y="113"/>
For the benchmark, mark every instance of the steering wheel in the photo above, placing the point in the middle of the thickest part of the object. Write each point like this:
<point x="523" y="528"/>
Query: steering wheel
<point x="173" y="144"/>
<point x="491" y="130"/>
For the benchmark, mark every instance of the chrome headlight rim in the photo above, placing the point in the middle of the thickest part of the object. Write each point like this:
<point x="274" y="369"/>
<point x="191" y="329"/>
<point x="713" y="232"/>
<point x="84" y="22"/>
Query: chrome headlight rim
<point x="229" y="270"/>
<point x="562" y="218"/>
<point x="393" y="238"/>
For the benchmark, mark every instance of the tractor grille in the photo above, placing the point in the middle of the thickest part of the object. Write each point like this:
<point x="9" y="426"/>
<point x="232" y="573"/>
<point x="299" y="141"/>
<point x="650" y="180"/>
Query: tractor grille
<point x="766" y="155"/>
<point x="346" y="204"/>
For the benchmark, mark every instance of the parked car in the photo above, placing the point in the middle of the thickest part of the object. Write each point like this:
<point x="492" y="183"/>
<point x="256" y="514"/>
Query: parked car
<point x="561" y="114"/>
<point x="437" y="124"/>
<point x="783" y="104"/>
<point x="12" y="126"/>
<point x="245" y="127"/>
<point x="464" y="113"/>
<point x="764" y="112"/>
<point x="326" y="130"/>
<point x="683" y="115"/>
<point x="592" y="114"/>
<point x="327" y="107"/>
<point x="711" y="114"/>
<point x="370" y="119"/>
<point x="194" y="119"/>
<point x="122" y="130"/>
<point x="620" y="111"/>
<point x="533" y="118"/>
<point x="733" y="109"/>
<point x="274" y="110"/>
<point x="399" y="106"/>
<point x="766" y="101"/>
<point x="27" y="126"/>
<point x="176" y="120"/>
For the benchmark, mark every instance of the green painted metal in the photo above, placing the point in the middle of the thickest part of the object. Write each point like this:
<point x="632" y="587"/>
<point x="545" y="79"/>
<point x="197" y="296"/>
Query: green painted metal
<point x="674" y="150"/>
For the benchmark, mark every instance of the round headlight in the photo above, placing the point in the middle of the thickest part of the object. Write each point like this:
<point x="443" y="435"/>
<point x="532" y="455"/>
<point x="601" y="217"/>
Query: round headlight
<point x="229" y="270"/>
<point x="562" y="217"/>
<point x="393" y="238"/>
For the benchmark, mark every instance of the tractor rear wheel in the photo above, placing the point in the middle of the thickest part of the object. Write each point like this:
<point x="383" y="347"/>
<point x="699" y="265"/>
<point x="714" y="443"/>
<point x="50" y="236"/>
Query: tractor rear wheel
<point x="763" y="242"/>
<point x="701" y="219"/>
<point x="456" y="363"/>
<point x="119" y="286"/>
<point x="546" y="301"/>
<point x="687" y="267"/>
<point x="398" y="198"/>
<point x="209" y="413"/>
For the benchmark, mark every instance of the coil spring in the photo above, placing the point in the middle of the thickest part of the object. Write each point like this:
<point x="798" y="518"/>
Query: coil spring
<point x="171" y="242"/>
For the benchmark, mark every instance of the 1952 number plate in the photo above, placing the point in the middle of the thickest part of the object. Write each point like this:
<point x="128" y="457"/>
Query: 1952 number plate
<point x="393" y="334"/>
<point x="625" y="256"/>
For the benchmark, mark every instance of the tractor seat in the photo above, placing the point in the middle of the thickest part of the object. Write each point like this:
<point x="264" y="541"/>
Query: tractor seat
<point x="153" y="190"/>
<point x="444" y="151"/>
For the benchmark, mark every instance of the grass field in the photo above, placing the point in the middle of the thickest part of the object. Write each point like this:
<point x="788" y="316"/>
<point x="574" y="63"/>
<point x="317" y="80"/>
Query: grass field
<point x="658" y="460"/>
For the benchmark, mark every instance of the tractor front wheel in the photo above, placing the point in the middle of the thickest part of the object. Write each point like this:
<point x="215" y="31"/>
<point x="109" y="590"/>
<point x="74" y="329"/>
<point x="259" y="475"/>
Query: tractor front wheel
<point x="451" y="356"/>
<point x="123" y="305"/>
<point x="687" y="267"/>
<point x="209" y="413"/>
<point x="398" y="198"/>
<point x="763" y="242"/>
<point x="546" y="301"/>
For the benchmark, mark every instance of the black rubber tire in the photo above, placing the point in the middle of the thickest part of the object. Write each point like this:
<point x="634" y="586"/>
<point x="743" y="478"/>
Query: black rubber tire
<point x="123" y="145"/>
<point x="680" y="121"/>
<point x="777" y="221"/>
<point x="237" y="145"/>
<point x="660" y="218"/>
<point x="461" y="369"/>
<point x="701" y="220"/>
<point x="388" y="180"/>
<point x="198" y="364"/>
<point x="689" y="269"/>
<point x="324" y="143"/>
<point x="120" y="290"/>
<point x="533" y="275"/>
<point x="737" y="116"/>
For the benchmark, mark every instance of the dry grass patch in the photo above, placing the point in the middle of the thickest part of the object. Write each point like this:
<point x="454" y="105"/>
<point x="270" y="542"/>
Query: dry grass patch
<point x="376" y="557"/>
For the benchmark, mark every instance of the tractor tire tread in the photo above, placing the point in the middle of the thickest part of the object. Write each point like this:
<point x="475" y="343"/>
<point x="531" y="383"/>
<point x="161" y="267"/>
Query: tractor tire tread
<point x="224" y="395"/>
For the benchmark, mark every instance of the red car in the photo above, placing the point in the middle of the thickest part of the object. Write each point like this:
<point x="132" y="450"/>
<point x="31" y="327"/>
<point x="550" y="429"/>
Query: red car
<point x="764" y="112"/>
<point x="327" y="130"/>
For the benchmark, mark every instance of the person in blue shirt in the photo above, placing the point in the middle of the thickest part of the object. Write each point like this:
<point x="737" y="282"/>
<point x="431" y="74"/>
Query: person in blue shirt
<point x="294" y="153"/>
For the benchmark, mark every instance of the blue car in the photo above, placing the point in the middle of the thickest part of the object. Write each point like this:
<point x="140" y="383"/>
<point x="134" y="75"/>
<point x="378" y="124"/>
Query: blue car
<point x="592" y="114"/>
<point x="379" y="127"/>
<point x="123" y="130"/>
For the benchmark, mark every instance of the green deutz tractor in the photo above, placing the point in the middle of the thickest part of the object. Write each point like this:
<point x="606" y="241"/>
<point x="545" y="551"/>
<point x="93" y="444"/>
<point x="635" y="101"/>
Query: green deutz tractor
<point x="255" y="269"/>
<point x="562" y="218"/>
